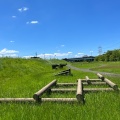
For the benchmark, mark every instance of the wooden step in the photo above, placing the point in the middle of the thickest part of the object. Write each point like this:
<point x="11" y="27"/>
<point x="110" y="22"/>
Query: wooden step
<point x="58" y="100"/>
<point x="97" y="89"/>
<point x="67" y="84"/>
<point x="84" y="83"/>
<point x="94" y="83"/>
<point x="17" y="100"/>
<point x="92" y="80"/>
<point x="84" y="89"/>
<point x="63" y="90"/>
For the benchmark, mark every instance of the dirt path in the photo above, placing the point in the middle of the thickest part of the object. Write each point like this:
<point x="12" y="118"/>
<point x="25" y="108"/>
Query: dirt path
<point x="88" y="70"/>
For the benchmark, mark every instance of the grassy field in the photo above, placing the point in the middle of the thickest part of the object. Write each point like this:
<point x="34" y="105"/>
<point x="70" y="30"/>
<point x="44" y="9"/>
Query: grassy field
<point x="111" y="67"/>
<point x="23" y="77"/>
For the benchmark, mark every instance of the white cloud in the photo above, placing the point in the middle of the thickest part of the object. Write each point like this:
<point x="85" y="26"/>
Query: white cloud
<point x="23" y="9"/>
<point x="69" y="52"/>
<point x="58" y="50"/>
<point x="46" y="55"/>
<point x="54" y="55"/>
<point x="13" y="16"/>
<point x="20" y="9"/>
<point x="12" y="41"/>
<point x="62" y="45"/>
<point x="79" y="54"/>
<point x="32" y="22"/>
<point x="60" y="54"/>
<point x="6" y="52"/>
<point x="27" y="56"/>
<point x="28" y="22"/>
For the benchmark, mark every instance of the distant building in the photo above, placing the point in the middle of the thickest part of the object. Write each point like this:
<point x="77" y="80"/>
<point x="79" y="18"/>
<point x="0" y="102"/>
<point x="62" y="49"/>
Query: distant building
<point x="35" y="57"/>
<point x="80" y="59"/>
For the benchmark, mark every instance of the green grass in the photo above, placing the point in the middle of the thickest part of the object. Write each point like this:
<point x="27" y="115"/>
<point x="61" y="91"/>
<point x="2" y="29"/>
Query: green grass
<point x="111" y="67"/>
<point x="23" y="77"/>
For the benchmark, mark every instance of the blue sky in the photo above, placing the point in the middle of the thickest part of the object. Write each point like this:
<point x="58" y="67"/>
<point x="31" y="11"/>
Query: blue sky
<point x="58" y="28"/>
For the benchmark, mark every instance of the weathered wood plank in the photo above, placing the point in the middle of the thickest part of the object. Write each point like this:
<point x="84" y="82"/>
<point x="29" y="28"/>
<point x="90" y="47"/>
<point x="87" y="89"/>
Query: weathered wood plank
<point x="97" y="89"/>
<point x="66" y="84"/>
<point x="63" y="90"/>
<point x="79" y="94"/>
<point x="111" y="84"/>
<point x="100" y="76"/>
<point x="44" y="89"/>
<point x="17" y="100"/>
<point x="88" y="80"/>
<point x="58" y="100"/>
<point x="65" y="72"/>
<point x="84" y="83"/>
<point x="92" y="80"/>
<point x="95" y="83"/>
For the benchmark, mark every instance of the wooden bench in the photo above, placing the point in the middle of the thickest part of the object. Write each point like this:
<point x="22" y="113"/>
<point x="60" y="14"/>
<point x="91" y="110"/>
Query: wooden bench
<point x="55" y="66"/>
<point x="65" y="72"/>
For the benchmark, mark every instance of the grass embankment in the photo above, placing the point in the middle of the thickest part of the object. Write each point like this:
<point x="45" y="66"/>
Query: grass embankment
<point x="22" y="78"/>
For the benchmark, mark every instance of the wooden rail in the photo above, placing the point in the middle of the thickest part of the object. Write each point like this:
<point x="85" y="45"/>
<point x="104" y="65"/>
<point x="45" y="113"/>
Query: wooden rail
<point x="42" y="100"/>
<point x="65" y="72"/>
<point x="86" y="90"/>
<point x="44" y="89"/>
<point x="79" y="94"/>
<point x="58" y="100"/>
<point x="95" y="83"/>
<point x="17" y="100"/>
<point x="84" y="83"/>
<point x="91" y="80"/>
<point x="66" y="84"/>
<point x="80" y="91"/>
<point x="55" y="66"/>
<point x="62" y="65"/>
<point x="100" y="76"/>
<point x="63" y="90"/>
<point x="88" y="80"/>
<point x="111" y="84"/>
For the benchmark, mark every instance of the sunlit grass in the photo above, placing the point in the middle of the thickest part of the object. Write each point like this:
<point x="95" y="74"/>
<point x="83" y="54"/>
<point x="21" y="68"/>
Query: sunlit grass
<point x="112" y="67"/>
<point x="23" y="77"/>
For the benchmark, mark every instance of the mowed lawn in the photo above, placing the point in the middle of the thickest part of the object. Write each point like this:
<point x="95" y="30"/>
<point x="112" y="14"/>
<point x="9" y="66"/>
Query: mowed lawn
<point x="23" y="77"/>
<point x="111" y="67"/>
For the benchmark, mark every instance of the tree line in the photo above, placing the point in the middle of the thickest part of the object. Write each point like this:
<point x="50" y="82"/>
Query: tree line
<point x="110" y="55"/>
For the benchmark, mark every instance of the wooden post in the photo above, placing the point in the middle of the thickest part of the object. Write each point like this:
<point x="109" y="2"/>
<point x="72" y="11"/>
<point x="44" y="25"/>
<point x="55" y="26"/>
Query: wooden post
<point x="79" y="94"/>
<point x="92" y="80"/>
<point x="100" y="76"/>
<point x="111" y="84"/>
<point x="63" y="90"/>
<point x="61" y="65"/>
<point x="69" y="71"/>
<point x="58" y="99"/>
<point x="54" y="66"/>
<point x="65" y="72"/>
<point x="17" y="100"/>
<point x="66" y="84"/>
<point x="95" y="83"/>
<point x="88" y="80"/>
<point x="44" y="89"/>
<point x="87" y="90"/>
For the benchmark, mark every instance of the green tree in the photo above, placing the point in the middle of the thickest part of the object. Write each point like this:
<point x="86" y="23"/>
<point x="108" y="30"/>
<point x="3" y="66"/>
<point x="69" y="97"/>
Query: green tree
<point x="110" y="55"/>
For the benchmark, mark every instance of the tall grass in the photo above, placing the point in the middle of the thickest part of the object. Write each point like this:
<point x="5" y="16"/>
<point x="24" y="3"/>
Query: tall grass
<point x="23" y="77"/>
